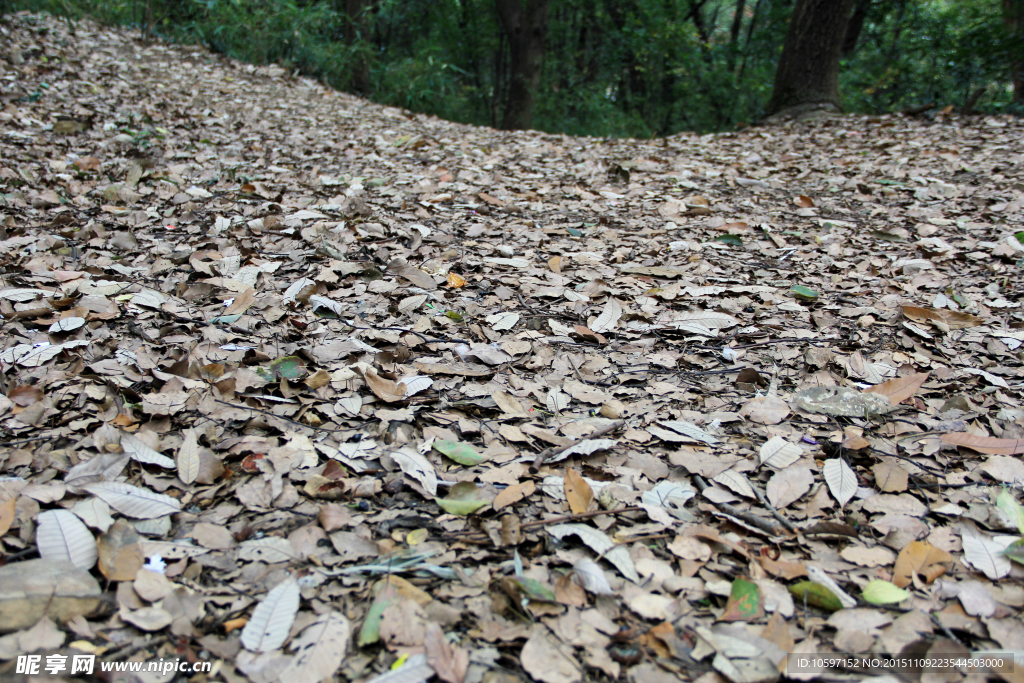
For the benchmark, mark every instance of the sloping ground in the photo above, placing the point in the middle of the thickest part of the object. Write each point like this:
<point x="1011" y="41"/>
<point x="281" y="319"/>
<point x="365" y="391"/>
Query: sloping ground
<point x="319" y="362"/>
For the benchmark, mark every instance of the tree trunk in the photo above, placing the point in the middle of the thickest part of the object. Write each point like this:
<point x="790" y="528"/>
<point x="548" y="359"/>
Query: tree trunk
<point x="855" y="26"/>
<point x="525" y="28"/>
<point x="1013" y="17"/>
<point x="808" y="71"/>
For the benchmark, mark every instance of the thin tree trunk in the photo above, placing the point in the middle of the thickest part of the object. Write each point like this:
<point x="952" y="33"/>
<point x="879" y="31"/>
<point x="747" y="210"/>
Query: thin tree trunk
<point x="746" y="46"/>
<point x="737" y="22"/>
<point x="525" y="28"/>
<point x="808" y="70"/>
<point x="354" y="16"/>
<point x="855" y="26"/>
<point x="1013" y="17"/>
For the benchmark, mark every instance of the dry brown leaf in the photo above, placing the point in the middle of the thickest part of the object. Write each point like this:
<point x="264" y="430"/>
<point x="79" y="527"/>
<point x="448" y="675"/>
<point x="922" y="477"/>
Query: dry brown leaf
<point x="385" y="389"/>
<point x="555" y="264"/>
<point x="448" y="661"/>
<point x="920" y="558"/>
<point x="120" y="552"/>
<point x="577" y="492"/>
<point x="984" y="444"/>
<point x="767" y="410"/>
<point x="952" y="320"/>
<point x="7" y="514"/>
<point x="513" y="494"/>
<point x="242" y="302"/>
<point x="889" y="476"/>
<point x="899" y="389"/>
<point x="25" y="395"/>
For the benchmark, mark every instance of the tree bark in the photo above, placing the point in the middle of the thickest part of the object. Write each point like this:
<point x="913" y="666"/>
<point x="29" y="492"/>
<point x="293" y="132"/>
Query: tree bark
<point x="808" y="70"/>
<point x="525" y="27"/>
<point x="1013" y="17"/>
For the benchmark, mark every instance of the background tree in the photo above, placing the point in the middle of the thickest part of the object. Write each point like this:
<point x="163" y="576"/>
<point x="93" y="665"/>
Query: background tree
<point x="636" y="68"/>
<point x="525" y="28"/>
<point x="355" y="16"/>
<point x="808" y="71"/>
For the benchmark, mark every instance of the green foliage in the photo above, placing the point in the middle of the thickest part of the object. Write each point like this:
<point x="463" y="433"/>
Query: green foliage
<point x="913" y="52"/>
<point x="635" y="68"/>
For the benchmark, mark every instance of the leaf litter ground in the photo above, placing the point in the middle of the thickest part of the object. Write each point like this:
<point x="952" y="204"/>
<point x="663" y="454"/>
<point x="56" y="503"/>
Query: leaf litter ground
<point x="307" y="387"/>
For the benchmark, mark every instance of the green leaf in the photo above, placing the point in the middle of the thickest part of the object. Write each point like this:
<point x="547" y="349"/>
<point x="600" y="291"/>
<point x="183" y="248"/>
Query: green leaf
<point x="454" y="316"/>
<point x="817" y="595"/>
<point x="226" y="319"/>
<point x="1015" y="551"/>
<point x="733" y="240"/>
<point x="1019" y="236"/>
<point x="461" y="508"/>
<point x="370" y="632"/>
<point x="880" y="592"/>
<point x="533" y="589"/>
<point x="744" y="602"/>
<point x="462" y="453"/>
<point x="1011" y="508"/>
<point x="805" y="293"/>
<point x="462" y="500"/>
<point x="574" y="232"/>
<point x="289" y="367"/>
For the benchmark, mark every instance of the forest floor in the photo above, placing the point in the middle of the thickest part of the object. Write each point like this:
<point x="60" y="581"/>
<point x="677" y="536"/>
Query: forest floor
<point x="374" y="395"/>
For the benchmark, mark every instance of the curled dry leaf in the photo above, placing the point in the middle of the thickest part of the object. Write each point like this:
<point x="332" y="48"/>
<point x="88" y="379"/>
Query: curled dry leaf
<point x="137" y="449"/>
<point x="590" y="575"/>
<point x="599" y="542"/>
<point x="417" y="467"/>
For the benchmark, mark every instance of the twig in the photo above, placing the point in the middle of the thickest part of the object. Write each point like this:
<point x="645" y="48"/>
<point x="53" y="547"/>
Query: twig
<point x="748" y="517"/>
<point x="771" y="508"/>
<point x="556" y="520"/>
<point x="128" y="650"/>
<point x="279" y="417"/>
<point x="581" y="515"/>
<point x="30" y="439"/>
<point x="549" y="452"/>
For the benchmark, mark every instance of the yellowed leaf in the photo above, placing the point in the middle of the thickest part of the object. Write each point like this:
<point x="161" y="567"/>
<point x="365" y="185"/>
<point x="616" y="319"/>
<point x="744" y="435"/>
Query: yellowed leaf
<point x="984" y="444"/>
<point x="919" y="557"/>
<point x="7" y="514"/>
<point x="899" y="389"/>
<point x="513" y="494"/>
<point x="577" y="492"/>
